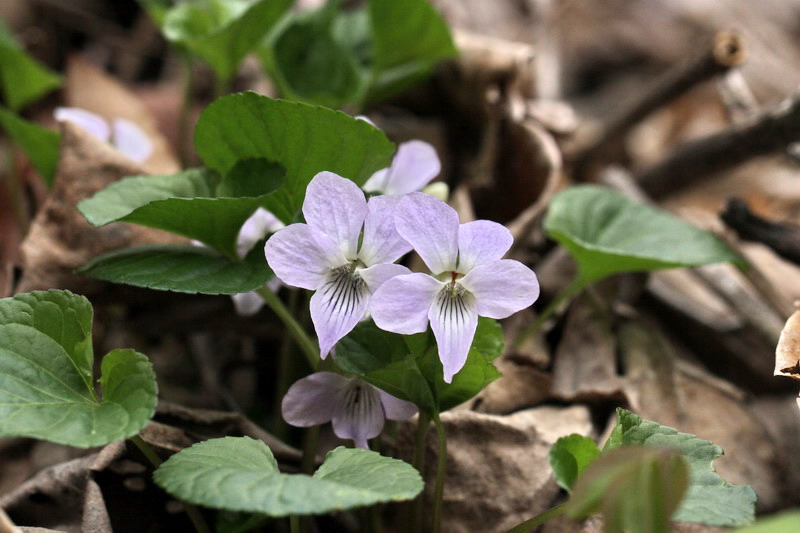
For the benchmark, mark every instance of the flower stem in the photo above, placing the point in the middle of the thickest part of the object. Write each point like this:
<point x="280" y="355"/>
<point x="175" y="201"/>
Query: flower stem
<point x="538" y="520"/>
<point x="293" y="326"/>
<point x="286" y="372"/>
<point x="294" y="524"/>
<point x="441" y="466"/>
<point x="194" y="514"/>
<point x="418" y="462"/>
<point x="220" y="87"/>
<point x="310" y="441"/>
<point x="567" y="293"/>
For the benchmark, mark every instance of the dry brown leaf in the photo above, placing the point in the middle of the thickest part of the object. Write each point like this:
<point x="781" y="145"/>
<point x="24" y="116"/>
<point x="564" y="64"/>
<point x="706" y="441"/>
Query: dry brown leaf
<point x="60" y="239"/>
<point x="201" y="424"/>
<point x="56" y="498"/>
<point x="521" y="386"/>
<point x="90" y="88"/>
<point x="497" y="469"/>
<point x="585" y="367"/>
<point x="6" y="525"/>
<point x="787" y="354"/>
<point x="679" y="394"/>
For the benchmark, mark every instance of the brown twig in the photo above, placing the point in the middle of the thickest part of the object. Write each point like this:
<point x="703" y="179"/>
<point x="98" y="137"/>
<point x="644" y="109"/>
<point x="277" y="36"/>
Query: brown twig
<point x="783" y="239"/>
<point x="727" y="50"/>
<point x="741" y="104"/>
<point x="697" y="160"/>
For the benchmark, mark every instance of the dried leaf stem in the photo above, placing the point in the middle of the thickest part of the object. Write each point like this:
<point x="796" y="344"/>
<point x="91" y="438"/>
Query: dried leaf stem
<point x="769" y="132"/>
<point x="725" y="51"/>
<point x="784" y="240"/>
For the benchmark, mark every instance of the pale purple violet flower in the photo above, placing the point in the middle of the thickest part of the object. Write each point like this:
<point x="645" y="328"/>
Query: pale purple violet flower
<point x="330" y="255"/>
<point x="356" y="408"/>
<point x="259" y="225"/>
<point x="469" y="279"/>
<point x="414" y="165"/>
<point x="123" y="134"/>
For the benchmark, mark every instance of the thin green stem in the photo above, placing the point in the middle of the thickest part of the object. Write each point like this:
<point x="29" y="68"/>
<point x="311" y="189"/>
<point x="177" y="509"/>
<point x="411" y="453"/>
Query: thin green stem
<point x="192" y="512"/>
<point x="310" y="441"/>
<point x="147" y="451"/>
<point x="186" y="109"/>
<point x="539" y="519"/>
<point x="220" y="88"/>
<point x="566" y="294"/>
<point x="441" y="466"/>
<point x="418" y="462"/>
<point x="286" y="372"/>
<point x="295" y="329"/>
<point x="294" y="524"/>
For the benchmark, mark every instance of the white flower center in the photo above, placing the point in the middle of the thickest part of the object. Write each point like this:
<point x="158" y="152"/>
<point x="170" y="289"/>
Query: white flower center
<point x="452" y="301"/>
<point x="344" y="287"/>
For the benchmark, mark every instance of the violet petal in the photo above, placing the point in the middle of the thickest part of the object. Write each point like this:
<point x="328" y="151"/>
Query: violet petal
<point x="247" y="303"/>
<point x="88" y="121"/>
<point x="377" y="275"/>
<point x="378" y="181"/>
<point x="454" y="319"/>
<point x="480" y="242"/>
<point x="312" y="400"/>
<point x="396" y="409"/>
<point x="381" y="242"/>
<point x="260" y="224"/>
<point x="337" y="306"/>
<point x="431" y="227"/>
<point x="401" y="305"/>
<point x="131" y="140"/>
<point x="414" y="165"/>
<point x="501" y="288"/>
<point x="301" y="256"/>
<point x="359" y="413"/>
<point x="337" y="207"/>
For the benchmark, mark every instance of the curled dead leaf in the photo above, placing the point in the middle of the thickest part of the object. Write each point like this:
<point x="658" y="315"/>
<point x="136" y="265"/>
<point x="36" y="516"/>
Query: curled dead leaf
<point x="497" y="473"/>
<point x="60" y="239"/>
<point x="787" y="354"/>
<point x="90" y="88"/>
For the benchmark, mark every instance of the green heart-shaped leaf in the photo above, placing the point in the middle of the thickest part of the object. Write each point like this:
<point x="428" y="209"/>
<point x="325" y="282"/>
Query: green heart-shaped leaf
<point x="241" y="474"/>
<point x="46" y="388"/>
<point x="408" y="39"/>
<point x="310" y="65"/>
<point x="221" y="32"/>
<point x="408" y="366"/>
<point x="185" y="203"/>
<point x="191" y="269"/>
<point x="607" y="234"/>
<point x="709" y="499"/>
<point x="39" y="144"/>
<point x="304" y="139"/>
<point x="23" y="79"/>
<point x="570" y="456"/>
<point x="636" y="488"/>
